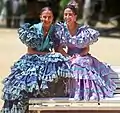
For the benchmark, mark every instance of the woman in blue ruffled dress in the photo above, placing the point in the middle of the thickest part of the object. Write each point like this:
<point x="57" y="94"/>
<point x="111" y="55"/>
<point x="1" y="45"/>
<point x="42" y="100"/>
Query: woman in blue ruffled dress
<point x="91" y="78"/>
<point x="33" y="74"/>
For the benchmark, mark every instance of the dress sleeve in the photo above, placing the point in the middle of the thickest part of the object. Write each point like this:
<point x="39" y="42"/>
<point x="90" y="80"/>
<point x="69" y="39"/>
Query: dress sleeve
<point x="29" y="35"/>
<point x="57" y="34"/>
<point x="86" y="36"/>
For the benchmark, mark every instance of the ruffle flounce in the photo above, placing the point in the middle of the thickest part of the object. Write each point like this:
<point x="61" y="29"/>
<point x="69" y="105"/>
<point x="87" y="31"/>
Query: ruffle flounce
<point x="32" y="72"/>
<point x="29" y="35"/>
<point x="85" y="89"/>
<point x="84" y="35"/>
<point x="91" y="79"/>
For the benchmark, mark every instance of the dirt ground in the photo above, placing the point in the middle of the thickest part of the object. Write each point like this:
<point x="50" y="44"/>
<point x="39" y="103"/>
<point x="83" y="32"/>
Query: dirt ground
<point x="106" y="50"/>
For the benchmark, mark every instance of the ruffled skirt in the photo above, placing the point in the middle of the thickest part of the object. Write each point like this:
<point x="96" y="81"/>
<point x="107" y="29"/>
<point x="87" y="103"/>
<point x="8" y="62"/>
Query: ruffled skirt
<point x="91" y="79"/>
<point x="31" y="76"/>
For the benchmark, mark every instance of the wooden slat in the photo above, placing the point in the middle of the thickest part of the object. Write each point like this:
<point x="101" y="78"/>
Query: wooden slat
<point x="115" y="75"/>
<point x="116" y="80"/>
<point x="102" y="107"/>
<point x="117" y="91"/>
<point x="58" y="103"/>
<point x="118" y="85"/>
<point x="43" y="101"/>
<point x="115" y="99"/>
<point x="116" y="68"/>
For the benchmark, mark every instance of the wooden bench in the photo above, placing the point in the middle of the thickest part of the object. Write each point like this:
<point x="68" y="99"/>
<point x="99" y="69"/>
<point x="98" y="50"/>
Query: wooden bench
<point x="61" y="105"/>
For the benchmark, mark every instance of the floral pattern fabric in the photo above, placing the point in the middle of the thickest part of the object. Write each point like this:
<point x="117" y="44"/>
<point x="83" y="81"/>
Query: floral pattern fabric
<point x="31" y="75"/>
<point x="91" y="77"/>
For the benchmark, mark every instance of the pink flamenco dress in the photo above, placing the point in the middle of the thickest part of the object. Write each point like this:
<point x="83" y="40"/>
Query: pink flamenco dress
<point x="90" y="77"/>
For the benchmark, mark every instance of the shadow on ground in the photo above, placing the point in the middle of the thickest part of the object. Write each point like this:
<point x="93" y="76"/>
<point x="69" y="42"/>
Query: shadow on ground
<point x="113" y="32"/>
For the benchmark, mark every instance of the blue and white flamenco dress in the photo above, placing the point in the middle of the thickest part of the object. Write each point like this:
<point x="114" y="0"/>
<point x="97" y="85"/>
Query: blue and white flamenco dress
<point x="31" y="74"/>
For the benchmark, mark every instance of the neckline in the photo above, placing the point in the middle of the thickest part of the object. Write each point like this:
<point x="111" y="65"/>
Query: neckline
<point x="46" y="33"/>
<point x="72" y="36"/>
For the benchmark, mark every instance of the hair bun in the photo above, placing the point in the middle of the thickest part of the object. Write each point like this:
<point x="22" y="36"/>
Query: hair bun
<point x="73" y="3"/>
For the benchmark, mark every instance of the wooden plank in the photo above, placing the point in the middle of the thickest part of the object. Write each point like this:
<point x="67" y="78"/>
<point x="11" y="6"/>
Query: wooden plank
<point x="118" y="85"/>
<point x="116" y="80"/>
<point x="117" y="91"/>
<point x="116" y="68"/>
<point x="82" y="107"/>
<point x="115" y="75"/>
<point x="42" y="101"/>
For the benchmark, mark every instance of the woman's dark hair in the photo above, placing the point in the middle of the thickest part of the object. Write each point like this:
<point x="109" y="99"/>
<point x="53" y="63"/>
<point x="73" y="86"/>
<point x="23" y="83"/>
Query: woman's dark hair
<point x="72" y="7"/>
<point x="45" y="8"/>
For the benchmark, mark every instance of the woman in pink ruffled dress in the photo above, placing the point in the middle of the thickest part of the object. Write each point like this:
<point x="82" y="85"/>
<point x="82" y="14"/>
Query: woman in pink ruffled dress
<point x="91" y="80"/>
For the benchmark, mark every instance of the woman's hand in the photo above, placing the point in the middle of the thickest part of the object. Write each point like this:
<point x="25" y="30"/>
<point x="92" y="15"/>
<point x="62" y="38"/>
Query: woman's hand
<point x="62" y="50"/>
<point x="53" y="51"/>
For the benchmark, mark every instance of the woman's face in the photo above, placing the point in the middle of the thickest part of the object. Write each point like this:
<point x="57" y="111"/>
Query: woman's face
<point x="69" y="16"/>
<point x="47" y="18"/>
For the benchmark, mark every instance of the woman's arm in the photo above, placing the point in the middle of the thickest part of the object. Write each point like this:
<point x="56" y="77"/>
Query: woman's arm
<point x="85" y="51"/>
<point x="62" y="51"/>
<point x="32" y="51"/>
